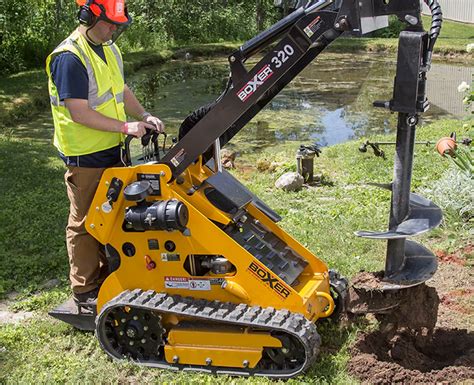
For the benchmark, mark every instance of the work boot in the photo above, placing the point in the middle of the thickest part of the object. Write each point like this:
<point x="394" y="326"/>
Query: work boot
<point x="87" y="299"/>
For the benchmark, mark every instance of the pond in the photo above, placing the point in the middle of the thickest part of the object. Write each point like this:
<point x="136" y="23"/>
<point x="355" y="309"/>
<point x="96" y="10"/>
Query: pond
<point x="328" y="103"/>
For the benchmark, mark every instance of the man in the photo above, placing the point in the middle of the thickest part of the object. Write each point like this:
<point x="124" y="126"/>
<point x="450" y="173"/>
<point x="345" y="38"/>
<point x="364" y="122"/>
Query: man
<point x="89" y="102"/>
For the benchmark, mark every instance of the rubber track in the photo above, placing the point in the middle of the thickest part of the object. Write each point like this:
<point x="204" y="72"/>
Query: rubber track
<point x="227" y="313"/>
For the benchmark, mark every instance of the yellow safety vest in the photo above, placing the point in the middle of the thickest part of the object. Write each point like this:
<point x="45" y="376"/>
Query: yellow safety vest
<point x="106" y="87"/>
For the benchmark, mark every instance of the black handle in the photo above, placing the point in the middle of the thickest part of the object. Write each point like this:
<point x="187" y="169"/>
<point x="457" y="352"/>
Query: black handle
<point x="150" y="136"/>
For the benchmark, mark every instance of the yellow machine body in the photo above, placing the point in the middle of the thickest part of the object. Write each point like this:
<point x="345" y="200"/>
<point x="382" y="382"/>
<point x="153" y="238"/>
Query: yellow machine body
<point x="155" y="268"/>
<point x="229" y="348"/>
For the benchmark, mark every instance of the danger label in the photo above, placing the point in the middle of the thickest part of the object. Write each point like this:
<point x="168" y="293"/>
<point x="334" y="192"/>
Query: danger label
<point x="188" y="283"/>
<point x="176" y="283"/>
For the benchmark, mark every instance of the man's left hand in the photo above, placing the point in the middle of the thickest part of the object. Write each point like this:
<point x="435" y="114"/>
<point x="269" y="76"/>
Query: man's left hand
<point x="160" y="127"/>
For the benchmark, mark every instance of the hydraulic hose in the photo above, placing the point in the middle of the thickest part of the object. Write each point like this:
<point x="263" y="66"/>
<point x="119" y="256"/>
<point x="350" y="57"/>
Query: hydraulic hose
<point x="436" y="18"/>
<point x="436" y="21"/>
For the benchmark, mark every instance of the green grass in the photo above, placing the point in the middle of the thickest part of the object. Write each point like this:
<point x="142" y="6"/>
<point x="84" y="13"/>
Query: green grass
<point x="33" y="214"/>
<point x="452" y="29"/>
<point x="325" y="218"/>
<point x="54" y="353"/>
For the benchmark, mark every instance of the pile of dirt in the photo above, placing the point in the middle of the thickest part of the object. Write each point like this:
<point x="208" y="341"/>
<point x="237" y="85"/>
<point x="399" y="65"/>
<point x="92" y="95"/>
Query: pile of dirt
<point x="407" y="348"/>
<point x="414" y="307"/>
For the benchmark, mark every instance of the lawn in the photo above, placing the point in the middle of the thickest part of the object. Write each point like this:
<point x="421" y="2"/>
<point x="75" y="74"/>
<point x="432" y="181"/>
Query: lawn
<point x="452" y="41"/>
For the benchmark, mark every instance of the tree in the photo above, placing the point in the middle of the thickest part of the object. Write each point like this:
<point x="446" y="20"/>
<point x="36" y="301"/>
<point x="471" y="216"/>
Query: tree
<point x="260" y="14"/>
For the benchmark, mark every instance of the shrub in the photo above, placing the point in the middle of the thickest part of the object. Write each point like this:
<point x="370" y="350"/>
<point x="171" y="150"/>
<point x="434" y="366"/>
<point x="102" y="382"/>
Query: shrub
<point x="394" y="28"/>
<point x="453" y="193"/>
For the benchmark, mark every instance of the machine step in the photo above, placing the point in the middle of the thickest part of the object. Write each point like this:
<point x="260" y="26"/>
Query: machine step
<point x="423" y="216"/>
<point x="80" y="318"/>
<point x="419" y="265"/>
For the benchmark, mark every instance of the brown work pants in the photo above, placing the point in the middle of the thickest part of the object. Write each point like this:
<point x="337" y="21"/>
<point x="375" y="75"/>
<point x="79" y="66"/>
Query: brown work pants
<point x="88" y="265"/>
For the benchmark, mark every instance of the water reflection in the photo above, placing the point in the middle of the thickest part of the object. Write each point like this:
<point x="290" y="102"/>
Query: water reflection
<point x="329" y="102"/>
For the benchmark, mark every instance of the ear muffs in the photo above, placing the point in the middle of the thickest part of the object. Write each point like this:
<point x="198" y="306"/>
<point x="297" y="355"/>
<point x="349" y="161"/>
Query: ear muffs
<point x="85" y="15"/>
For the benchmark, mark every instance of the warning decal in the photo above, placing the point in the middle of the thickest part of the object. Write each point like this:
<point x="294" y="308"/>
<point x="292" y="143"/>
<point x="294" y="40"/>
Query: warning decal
<point x="312" y="27"/>
<point x="176" y="283"/>
<point x="190" y="283"/>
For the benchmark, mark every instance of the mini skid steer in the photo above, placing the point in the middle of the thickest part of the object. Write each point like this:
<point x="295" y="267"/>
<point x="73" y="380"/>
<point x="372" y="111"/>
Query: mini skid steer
<point x="202" y="278"/>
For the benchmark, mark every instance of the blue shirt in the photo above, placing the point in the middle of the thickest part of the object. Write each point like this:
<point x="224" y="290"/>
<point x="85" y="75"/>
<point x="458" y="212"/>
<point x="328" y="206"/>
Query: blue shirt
<point x="72" y="82"/>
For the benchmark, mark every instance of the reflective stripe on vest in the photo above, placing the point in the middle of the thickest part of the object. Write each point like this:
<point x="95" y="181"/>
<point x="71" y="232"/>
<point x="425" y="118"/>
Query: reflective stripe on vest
<point x="55" y="101"/>
<point x="118" y="57"/>
<point x="93" y="98"/>
<point x="119" y="97"/>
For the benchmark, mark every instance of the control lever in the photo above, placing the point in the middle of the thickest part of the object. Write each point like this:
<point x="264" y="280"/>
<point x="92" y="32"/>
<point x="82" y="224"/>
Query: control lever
<point x="151" y="138"/>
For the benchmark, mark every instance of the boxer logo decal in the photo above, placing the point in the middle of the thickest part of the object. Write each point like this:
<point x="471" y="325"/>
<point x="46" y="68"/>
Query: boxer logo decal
<point x="269" y="279"/>
<point x="252" y="85"/>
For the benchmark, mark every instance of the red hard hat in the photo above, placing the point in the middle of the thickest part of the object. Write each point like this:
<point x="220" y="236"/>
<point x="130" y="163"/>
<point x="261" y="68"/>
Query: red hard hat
<point x="113" y="11"/>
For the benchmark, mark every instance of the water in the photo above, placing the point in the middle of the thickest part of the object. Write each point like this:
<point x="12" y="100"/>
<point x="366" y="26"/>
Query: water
<point x="328" y="103"/>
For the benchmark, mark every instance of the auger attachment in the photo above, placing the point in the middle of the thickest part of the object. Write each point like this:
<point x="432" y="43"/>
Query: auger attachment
<point x="407" y="262"/>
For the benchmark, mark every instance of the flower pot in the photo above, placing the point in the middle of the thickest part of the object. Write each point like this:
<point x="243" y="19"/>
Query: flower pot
<point x="446" y="146"/>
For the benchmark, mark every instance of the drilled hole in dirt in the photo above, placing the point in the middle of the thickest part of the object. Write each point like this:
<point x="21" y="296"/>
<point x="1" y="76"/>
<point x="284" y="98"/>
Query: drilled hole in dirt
<point x="402" y="356"/>
<point x="423" y="353"/>
<point x="407" y="348"/>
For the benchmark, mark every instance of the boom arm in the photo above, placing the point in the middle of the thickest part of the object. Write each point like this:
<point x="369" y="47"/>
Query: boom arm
<point x="307" y="32"/>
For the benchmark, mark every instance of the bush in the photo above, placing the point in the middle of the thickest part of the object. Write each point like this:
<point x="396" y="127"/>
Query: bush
<point x="30" y="29"/>
<point x="453" y="193"/>
<point x="394" y="28"/>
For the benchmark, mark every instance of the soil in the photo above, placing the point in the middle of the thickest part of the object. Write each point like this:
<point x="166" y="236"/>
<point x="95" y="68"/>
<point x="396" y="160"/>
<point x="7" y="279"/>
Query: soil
<point x="11" y="317"/>
<point x="446" y="356"/>
<point x="426" y="332"/>
<point x="414" y="307"/>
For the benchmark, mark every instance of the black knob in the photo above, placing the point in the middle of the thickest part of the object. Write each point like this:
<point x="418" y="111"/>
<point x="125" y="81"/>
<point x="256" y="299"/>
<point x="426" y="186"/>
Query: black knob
<point x="128" y="249"/>
<point x="137" y="191"/>
<point x="170" y="246"/>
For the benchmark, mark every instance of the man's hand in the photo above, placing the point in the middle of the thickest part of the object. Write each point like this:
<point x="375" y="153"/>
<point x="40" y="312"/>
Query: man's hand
<point x="137" y="129"/>
<point x="156" y="122"/>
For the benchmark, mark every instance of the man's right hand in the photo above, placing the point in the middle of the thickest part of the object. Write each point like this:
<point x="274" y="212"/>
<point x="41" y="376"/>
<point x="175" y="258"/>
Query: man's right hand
<point x="137" y="129"/>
